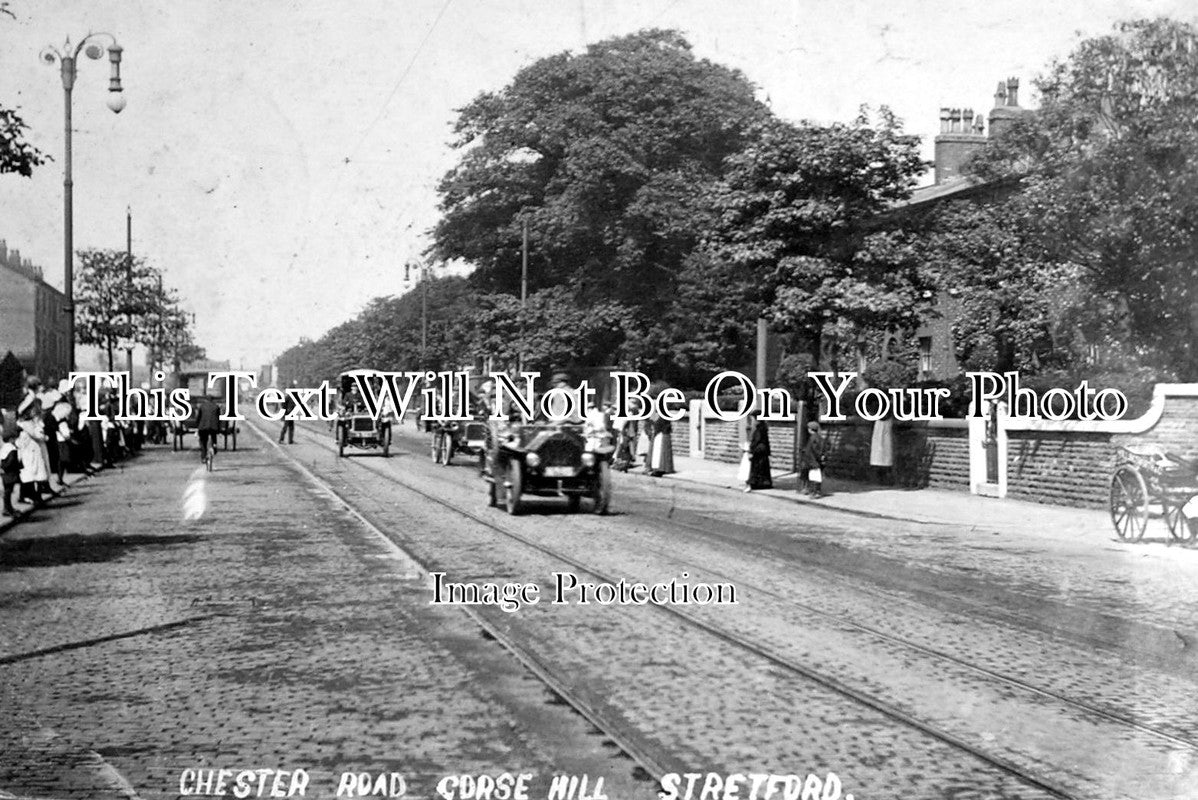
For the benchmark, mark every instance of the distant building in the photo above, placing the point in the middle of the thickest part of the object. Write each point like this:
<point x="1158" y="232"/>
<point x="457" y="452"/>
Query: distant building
<point x="33" y="318"/>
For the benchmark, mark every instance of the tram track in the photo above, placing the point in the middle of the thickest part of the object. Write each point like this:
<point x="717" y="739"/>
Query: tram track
<point x="769" y="655"/>
<point x="653" y="765"/>
<point x="670" y="520"/>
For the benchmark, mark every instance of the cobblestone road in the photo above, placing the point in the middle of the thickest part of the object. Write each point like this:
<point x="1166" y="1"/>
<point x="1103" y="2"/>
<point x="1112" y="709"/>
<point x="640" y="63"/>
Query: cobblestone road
<point x="167" y="619"/>
<point x="270" y="631"/>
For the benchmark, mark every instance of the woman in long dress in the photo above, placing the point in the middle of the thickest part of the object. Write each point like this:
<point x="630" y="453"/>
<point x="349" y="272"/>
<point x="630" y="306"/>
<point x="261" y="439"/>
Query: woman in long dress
<point x="662" y="458"/>
<point x="881" y="451"/>
<point x="759" y="457"/>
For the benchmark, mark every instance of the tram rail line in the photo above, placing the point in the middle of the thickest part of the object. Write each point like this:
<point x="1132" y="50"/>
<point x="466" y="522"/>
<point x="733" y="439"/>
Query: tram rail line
<point x="651" y="763"/>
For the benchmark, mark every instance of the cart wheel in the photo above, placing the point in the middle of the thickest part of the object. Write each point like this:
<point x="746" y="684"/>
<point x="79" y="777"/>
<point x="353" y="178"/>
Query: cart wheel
<point x="446" y="449"/>
<point x="436" y="448"/>
<point x="1181" y="527"/>
<point x="492" y="493"/>
<point x="515" y="489"/>
<point x="1129" y="503"/>
<point x="603" y="488"/>
<point x="387" y="442"/>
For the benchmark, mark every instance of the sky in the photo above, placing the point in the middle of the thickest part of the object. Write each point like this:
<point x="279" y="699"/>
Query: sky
<point x="280" y="158"/>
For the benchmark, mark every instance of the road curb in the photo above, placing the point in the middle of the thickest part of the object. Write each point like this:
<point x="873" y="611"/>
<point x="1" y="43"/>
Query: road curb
<point x="806" y="502"/>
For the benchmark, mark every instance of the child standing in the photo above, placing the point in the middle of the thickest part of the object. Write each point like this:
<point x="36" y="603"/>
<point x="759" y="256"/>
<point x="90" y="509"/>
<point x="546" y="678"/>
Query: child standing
<point x="10" y="467"/>
<point x="812" y="460"/>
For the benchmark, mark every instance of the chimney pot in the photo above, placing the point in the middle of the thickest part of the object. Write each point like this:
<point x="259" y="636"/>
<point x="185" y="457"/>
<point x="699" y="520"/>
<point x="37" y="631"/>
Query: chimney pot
<point x="1000" y="95"/>
<point x="944" y="114"/>
<point x="1012" y="91"/>
<point x="979" y="125"/>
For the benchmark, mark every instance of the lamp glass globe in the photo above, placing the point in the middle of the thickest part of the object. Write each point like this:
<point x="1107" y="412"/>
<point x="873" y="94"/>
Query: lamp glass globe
<point x="116" y="101"/>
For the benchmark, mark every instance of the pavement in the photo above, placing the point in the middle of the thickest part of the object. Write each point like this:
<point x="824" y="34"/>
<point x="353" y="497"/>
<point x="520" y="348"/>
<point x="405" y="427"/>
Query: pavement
<point x="933" y="506"/>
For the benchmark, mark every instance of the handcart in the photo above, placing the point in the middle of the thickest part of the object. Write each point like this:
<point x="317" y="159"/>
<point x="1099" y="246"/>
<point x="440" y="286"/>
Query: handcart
<point x="1147" y="481"/>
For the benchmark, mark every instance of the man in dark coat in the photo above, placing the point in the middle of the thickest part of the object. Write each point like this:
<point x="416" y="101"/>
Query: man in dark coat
<point x="288" y="424"/>
<point x="759" y="457"/>
<point x="207" y="424"/>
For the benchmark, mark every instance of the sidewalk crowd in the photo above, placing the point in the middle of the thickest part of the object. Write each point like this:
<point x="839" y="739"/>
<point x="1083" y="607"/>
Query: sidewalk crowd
<point x="44" y="437"/>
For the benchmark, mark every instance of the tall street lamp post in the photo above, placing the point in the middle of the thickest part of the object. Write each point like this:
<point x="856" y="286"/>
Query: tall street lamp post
<point x="67" y="58"/>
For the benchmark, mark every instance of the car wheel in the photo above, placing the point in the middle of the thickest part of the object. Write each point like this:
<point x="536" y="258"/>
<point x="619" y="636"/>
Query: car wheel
<point x="573" y="502"/>
<point x="436" y="448"/>
<point x="341" y="442"/>
<point x="387" y="442"/>
<point x="603" y="488"/>
<point x="446" y="450"/>
<point x="514" y="489"/>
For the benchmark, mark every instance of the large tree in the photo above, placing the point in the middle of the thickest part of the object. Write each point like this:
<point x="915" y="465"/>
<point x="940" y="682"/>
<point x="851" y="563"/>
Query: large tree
<point x="117" y="299"/>
<point x="797" y="211"/>
<point x="1109" y="173"/>
<point x="606" y="155"/>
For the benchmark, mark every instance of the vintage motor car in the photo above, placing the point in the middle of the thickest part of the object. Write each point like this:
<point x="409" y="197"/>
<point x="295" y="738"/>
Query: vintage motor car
<point x="355" y="428"/>
<point x="450" y="438"/>
<point x="543" y="459"/>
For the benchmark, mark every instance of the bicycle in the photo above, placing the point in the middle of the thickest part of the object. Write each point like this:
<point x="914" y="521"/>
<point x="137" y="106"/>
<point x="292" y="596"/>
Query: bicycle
<point x="208" y="442"/>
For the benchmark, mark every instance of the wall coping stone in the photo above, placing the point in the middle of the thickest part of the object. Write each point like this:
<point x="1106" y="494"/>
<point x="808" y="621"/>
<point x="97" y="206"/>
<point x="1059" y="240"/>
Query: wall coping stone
<point x="1139" y="425"/>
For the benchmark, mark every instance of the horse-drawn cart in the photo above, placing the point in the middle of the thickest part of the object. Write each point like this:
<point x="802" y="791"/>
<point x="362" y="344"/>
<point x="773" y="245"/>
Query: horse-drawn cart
<point x="1150" y="481"/>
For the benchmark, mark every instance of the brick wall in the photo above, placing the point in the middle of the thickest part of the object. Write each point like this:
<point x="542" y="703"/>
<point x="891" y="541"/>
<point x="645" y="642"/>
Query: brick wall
<point x="1065" y="463"/>
<point x="1071" y="467"/>
<point x="924" y="455"/>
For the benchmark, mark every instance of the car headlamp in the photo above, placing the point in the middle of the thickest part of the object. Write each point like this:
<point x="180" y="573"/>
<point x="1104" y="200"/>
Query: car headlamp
<point x="532" y="459"/>
<point x="588" y="459"/>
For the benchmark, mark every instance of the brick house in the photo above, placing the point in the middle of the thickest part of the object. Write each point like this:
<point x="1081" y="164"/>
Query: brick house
<point x="962" y="135"/>
<point x="33" y="317"/>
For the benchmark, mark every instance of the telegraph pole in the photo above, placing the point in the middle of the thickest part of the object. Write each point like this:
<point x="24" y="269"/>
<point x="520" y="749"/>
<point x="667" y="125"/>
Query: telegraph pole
<point x="129" y="288"/>
<point x="523" y="284"/>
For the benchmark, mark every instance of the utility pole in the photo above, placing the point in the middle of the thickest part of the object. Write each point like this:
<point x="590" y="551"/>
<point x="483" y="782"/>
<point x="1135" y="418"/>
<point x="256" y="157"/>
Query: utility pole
<point x="159" y="344"/>
<point x="523" y="284"/>
<point x="129" y="288"/>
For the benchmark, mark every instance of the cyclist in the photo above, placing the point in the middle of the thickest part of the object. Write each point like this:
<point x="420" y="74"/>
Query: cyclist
<point x="207" y="425"/>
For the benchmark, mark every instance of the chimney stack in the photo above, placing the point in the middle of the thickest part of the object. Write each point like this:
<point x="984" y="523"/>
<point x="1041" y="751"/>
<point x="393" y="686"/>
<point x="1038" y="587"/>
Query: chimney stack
<point x="1013" y="92"/>
<point x="960" y="137"/>
<point x="1006" y="107"/>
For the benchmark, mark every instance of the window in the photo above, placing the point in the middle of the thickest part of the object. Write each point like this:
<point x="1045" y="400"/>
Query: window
<point x="925" y="356"/>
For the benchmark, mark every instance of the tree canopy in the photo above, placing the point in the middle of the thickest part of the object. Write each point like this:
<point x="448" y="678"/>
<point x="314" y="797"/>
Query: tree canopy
<point x="1108" y="168"/>
<point x="794" y="214"/>
<point x="606" y="155"/>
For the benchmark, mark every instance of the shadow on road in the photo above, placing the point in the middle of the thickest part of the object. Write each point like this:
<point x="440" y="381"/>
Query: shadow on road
<point x="54" y="551"/>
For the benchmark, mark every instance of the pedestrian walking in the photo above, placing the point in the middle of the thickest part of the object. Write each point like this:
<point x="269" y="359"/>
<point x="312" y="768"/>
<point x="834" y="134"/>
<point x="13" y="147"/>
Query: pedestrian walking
<point x="10" y="466"/>
<point x="288" y="423"/>
<point x="881" y="451"/>
<point x="759" y="457"/>
<point x="811" y="460"/>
